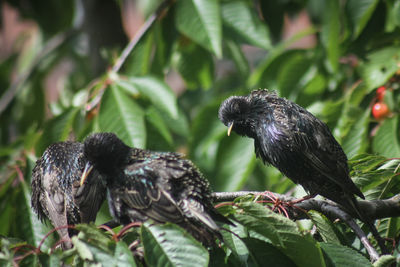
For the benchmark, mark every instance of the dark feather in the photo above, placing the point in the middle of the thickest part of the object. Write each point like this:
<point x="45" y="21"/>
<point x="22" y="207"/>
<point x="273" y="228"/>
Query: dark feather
<point x="162" y="186"/>
<point x="294" y="141"/>
<point x="56" y="194"/>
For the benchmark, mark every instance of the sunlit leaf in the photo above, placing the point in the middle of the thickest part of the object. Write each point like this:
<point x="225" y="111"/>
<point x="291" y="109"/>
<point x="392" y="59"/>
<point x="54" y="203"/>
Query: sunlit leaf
<point x="170" y="245"/>
<point x="158" y="92"/>
<point x="381" y="65"/>
<point x="330" y="33"/>
<point x="242" y="19"/>
<point x="386" y="141"/>
<point x="235" y="160"/>
<point x="338" y="255"/>
<point x="200" y="20"/>
<point x="359" y="12"/>
<point x="121" y="115"/>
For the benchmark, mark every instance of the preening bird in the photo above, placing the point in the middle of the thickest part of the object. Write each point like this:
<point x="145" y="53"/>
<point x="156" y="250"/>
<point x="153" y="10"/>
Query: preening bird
<point x="56" y="191"/>
<point x="161" y="186"/>
<point x="296" y="142"/>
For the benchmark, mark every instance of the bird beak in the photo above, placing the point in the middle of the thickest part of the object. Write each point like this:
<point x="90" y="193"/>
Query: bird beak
<point x="86" y="172"/>
<point x="230" y="128"/>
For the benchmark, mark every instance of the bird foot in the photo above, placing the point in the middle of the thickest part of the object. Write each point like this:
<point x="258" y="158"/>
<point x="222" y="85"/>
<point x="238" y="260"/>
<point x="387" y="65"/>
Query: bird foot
<point x="278" y="204"/>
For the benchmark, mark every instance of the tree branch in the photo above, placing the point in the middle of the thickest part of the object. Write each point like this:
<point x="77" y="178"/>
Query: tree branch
<point x="373" y="209"/>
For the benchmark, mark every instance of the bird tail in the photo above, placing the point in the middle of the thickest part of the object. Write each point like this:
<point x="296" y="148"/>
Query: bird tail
<point x="354" y="207"/>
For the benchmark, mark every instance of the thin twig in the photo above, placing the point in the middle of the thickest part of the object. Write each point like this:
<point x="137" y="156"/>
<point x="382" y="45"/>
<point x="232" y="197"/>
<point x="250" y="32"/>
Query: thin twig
<point x="131" y="45"/>
<point x="139" y="34"/>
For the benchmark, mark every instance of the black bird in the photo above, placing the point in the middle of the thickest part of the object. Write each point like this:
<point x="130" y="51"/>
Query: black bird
<point x="296" y="142"/>
<point x="56" y="191"/>
<point x="161" y="186"/>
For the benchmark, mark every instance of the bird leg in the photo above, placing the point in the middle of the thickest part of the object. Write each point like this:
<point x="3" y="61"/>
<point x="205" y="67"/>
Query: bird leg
<point x="278" y="203"/>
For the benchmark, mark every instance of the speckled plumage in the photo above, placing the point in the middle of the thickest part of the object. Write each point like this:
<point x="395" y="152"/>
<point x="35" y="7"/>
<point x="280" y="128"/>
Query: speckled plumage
<point x="56" y="193"/>
<point x="294" y="141"/>
<point x="162" y="186"/>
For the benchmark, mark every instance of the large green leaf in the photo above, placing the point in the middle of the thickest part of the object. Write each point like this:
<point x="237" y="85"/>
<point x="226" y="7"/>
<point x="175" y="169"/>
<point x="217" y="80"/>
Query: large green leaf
<point x="139" y="60"/>
<point x="121" y="115"/>
<point x="330" y="34"/>
<point x="235" y="160"/>
<point x="386" y="140"/>
<point x="385" y="261"/>
<point x="232" y="239"/>
<point x="169" y="245"/>
<point x="338" y="255"/>
<point x="206" y="133"/>
<point x="325" y="227"/>
<point x="263" y="254"/>
<point x="236" y="54"/>
<point x="381" y="65"/>
<point x="158" y="92"/>
<point x="195" y="65"/>
<point x="200" y="20"/>
<point x="359" y="12"/>
<point x="301" y="249"/>
<point x="242" y="19"/>
<point x="355" y="141"/>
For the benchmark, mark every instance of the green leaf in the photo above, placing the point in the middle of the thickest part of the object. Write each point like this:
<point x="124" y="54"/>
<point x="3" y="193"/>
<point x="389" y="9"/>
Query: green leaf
<point x="169" y="245"/>
<point x="123" y="256"/>
<point x="385" y="261"/>
<point x="200" y="20"/>
<point x="356" y="139"/>
<point x="330" y="34"/>
<point x="235" y="160"/>
<point x="386" y="141"/>
<point x="236" y="54"/>
<point x="262" y="226"/>
<point x="234" y="243"/>
<point x="139" y="60"/>
<point x="338" y="255"/>
<point x="195" y="65"/>
<point x="301" y="249"/>
<point x="242" y="19"/>
<point x="121" y="115"/>
<point x="205" y="135"/>
<point x="290" y="73"/>
<point x="158" y="92"/>
<point x="95" y="235"/>
<point x="261" y="251"/>
<point x="82" y="249"/>
<point x="153" y="116"/>
<point x="325" y="227"/>
<point x="359" y="12"/>
<point x="381" y="65"/>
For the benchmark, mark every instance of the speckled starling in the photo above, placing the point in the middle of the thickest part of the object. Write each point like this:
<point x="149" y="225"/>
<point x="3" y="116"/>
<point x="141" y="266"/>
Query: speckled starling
<point x="56" y="191"/>
<point x="294" y="141"/>
<point x="161" y="186"/>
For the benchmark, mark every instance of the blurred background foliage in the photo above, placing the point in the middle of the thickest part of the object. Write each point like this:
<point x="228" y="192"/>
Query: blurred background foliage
<point x="61" y="78"/>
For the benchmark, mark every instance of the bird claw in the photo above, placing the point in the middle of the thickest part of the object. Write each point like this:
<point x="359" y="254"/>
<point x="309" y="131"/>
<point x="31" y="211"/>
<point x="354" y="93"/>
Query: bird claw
<point x="278" y="204"/>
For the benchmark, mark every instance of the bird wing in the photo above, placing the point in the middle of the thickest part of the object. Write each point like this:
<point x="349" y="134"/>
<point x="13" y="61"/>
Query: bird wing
<point x="89" y="196"/>
<point x="142" y="193"/>
<point x="315" y="142"/>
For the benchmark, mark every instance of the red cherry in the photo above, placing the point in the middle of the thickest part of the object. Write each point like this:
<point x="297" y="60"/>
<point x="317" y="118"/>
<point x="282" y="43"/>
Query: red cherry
<point x="380" y="92"/>
<point x="380" y="110"/>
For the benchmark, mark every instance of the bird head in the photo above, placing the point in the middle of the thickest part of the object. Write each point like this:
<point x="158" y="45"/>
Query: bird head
<point x="235" y="112"/>
<point x="105" y="152"/>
